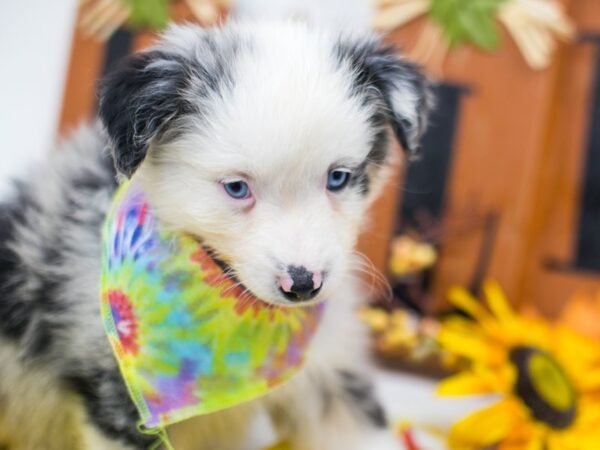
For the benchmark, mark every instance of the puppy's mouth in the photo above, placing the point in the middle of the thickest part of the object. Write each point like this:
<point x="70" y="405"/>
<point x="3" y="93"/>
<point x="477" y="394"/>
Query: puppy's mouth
<point x="226" y="268"/>
<point x="229" y="272"/>
<point x="286" y="299"/>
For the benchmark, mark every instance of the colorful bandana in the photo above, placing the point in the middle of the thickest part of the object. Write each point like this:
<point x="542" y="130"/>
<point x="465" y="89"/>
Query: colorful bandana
<point x="188" y="339"/>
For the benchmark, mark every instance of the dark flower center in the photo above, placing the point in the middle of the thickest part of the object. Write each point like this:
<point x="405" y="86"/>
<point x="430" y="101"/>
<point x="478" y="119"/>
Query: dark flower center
<point x="544" y="387"/>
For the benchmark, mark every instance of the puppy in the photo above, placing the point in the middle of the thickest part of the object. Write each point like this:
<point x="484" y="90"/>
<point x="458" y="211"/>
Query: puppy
<point x="267" y="140"/>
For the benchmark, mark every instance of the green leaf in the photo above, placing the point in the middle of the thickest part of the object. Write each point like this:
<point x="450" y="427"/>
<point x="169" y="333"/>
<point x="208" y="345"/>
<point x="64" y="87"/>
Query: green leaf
<point x="149" y="13"/>
<point x="468" y="21"/>
<point x="481" y="30"/>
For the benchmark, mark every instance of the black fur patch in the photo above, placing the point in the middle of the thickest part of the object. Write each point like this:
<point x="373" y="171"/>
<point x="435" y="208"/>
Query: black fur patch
<point x="147" y="96"/>
<point x="15" y="314"/>
<point x="41" y="341"/>
<point x="360" y="178"/>
<point x="109" y="406"/>
<point x="30" y="284"/>
<point x="376" y="157"/>
<point x="137" y="100"/>
<point x="361" y="397"/>
<point x="380" y="75"/>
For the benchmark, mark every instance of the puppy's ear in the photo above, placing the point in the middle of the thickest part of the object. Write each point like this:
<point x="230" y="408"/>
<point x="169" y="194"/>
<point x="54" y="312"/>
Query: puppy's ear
<point x="137" y="101"/>
<point x="406" y="93"/>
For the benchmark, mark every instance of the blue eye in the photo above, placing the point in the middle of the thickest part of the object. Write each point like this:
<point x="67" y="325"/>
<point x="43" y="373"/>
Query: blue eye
<point x="337" y="180"/>
<point x="237" y="189"/>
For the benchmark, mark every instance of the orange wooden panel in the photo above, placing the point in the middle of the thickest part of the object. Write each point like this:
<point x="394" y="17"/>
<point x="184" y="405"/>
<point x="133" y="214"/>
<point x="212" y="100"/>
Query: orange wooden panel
<point x="559" y="187"/>
<point x="375" y="240"/>
<point x="499" y="146"/>
<point x="85" y="67"/>
<point x="87" y="56"/>
<point x="144" y="39"/>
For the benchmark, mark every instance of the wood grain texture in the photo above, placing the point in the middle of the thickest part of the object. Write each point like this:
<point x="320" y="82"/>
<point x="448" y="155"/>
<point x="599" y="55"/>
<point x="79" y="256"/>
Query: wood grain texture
<point x="79" y="104"/>
<point x="550" y="279"/>
<point x="518" y="155"/>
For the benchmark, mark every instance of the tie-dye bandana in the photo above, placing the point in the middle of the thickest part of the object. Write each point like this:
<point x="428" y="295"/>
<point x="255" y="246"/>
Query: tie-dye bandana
<point x="188" y="339"/>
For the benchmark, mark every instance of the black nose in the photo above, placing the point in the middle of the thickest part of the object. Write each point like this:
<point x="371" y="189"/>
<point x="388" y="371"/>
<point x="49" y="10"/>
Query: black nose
<point x="305" y="285"/>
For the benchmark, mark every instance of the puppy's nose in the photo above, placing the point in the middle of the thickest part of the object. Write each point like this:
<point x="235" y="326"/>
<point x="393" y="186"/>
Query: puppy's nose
<point x="299" y="284"/>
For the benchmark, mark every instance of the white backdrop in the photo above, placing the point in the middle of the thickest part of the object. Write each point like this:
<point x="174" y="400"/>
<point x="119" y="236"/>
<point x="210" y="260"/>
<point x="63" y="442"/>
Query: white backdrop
<point x="35" y="42"/>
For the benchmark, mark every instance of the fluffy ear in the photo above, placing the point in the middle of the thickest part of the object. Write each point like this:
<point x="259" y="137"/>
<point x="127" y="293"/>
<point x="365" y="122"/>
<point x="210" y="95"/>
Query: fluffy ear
<point x="405" y="91"/>
<point x="137" y="101"/>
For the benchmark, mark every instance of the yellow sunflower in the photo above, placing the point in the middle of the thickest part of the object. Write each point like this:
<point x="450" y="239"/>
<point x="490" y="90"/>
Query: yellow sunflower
<point x="547" y="378"/>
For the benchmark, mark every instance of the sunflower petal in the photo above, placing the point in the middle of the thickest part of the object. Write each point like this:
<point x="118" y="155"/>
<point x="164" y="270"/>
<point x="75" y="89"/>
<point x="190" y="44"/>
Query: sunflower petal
<point x="463" y="384"/>
<point x="480" y="379"/>
<point x="588" y="418"/>
<point x="499" y="378"/>
<point x="483" y="428"/>
<point x="524" y="436"/>
<point x="538" y="440"/>
<point x="464" y="301"/>
<point x="498" y="303"/>
<point x="580" y="352"/>
<point x="470" y="346"/>
<point x="589" y="441"/>
<point x="574" y="439"/>
<point x="588" y="380"/>
<point x="462" y="345"/>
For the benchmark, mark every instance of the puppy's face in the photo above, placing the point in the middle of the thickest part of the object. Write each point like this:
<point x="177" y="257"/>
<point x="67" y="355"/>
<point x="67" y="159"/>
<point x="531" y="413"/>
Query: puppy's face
<point x="266" y="141"/>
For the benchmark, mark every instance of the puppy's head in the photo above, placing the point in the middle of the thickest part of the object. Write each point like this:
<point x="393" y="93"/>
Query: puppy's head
<point x="267" y="141"/>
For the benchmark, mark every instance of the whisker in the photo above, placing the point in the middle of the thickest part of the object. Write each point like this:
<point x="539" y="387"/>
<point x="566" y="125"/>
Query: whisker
<point x="378" y="281"/>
